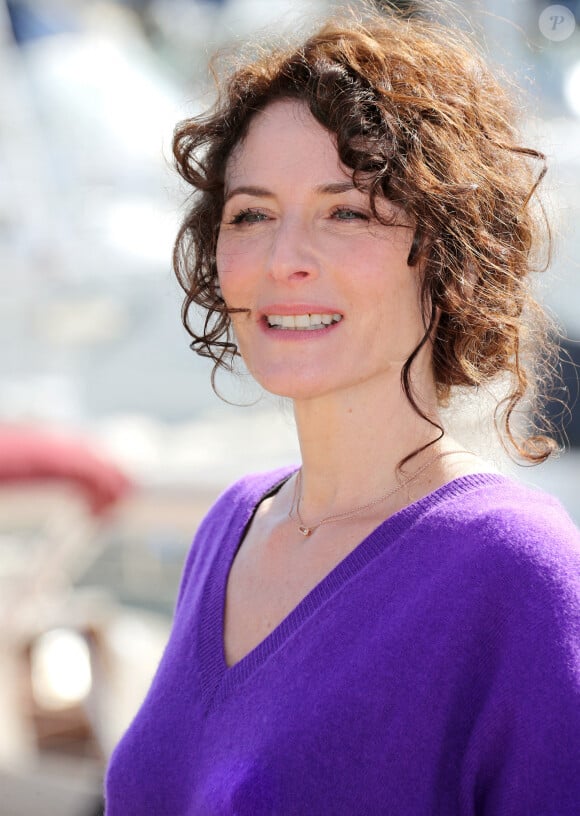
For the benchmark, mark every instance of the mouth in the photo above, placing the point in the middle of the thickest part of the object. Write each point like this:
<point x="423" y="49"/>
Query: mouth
<point x="301" y="322"/>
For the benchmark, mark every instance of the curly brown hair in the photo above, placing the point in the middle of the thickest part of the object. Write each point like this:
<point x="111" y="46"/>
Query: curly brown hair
<point x="420" y="119"/>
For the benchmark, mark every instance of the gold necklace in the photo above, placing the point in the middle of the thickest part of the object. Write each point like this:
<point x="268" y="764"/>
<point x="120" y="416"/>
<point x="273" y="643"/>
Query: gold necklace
<point x="308" y="530"/>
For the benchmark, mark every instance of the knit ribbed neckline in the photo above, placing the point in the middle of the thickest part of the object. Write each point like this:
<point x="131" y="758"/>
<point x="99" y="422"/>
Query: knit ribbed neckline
<point x="219" y="680"/>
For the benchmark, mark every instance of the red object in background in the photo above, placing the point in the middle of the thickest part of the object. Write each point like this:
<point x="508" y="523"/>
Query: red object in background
<point x="27" y="454"/>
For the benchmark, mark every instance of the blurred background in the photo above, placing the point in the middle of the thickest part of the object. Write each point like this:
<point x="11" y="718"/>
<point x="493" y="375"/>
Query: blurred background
<point x="112" y="443"/>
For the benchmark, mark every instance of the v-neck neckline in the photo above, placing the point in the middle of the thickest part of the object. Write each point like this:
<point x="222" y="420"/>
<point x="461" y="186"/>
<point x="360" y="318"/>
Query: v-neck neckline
<point x="218" y="679"/>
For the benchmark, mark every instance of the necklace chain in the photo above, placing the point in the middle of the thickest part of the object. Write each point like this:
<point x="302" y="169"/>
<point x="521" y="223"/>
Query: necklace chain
<point x="308" y="530"/>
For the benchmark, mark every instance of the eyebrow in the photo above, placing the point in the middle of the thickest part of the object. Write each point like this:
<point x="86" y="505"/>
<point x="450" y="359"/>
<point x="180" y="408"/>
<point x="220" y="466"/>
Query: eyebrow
<point x="248" y="189"/>
<point x="337" y="187"/>
<point x="330" y="188"/>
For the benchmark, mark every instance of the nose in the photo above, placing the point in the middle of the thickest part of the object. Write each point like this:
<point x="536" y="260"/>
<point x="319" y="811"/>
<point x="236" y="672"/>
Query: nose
<point x="292" y="256"/>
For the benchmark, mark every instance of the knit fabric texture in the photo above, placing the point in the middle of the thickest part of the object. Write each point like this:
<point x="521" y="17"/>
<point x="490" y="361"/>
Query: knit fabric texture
<point x="435" y="670"/>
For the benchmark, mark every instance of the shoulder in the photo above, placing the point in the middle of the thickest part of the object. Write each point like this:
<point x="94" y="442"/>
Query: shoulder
<point x="527" y="524"/>
<point x="492" y="508"/>
<point x="514" y="573"/>
<point x="512" y="543"/>
<point x="504" y="562"/>
<point x="227" y="518"/>
<point x="247" y="492"/>
<point x="501" y="545"/>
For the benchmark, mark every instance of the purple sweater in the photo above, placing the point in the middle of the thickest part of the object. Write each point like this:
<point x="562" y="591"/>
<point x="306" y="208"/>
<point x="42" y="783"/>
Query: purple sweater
<point x="434" y="672"/>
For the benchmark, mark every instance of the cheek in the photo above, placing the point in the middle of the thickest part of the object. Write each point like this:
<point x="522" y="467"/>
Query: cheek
<point x="235" y="264"/>
<point x="228" y="270"/>
<point x="391" y="291"/>
<point x="221" y="258"/>
<point x="235" y="289"/>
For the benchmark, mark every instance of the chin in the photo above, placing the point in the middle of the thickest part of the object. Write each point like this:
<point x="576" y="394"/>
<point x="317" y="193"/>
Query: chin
<point x="297" y="387"/>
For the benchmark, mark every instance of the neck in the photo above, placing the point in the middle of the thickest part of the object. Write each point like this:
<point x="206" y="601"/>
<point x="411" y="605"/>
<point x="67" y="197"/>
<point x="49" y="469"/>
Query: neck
<point x="351" y="448"/>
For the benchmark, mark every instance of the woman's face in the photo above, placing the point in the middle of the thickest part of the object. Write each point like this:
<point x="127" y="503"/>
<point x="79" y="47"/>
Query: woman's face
<point x="332" y="304"/>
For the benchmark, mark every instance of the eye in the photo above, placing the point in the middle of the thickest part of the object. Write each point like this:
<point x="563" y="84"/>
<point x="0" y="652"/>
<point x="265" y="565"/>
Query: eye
<point x="248" y="216"/>
<point x="348" y="214"/>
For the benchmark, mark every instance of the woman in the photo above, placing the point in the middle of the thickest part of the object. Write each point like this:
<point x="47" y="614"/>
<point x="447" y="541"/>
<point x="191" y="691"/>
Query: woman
<point x="390" y="628"/>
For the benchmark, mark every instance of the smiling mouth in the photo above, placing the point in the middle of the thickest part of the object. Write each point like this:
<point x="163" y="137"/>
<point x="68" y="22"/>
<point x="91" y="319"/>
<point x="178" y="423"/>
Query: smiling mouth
<point x="302" y="322"/>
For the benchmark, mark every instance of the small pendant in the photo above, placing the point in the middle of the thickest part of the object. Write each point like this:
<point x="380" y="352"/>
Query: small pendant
<point x="306" y="531"/>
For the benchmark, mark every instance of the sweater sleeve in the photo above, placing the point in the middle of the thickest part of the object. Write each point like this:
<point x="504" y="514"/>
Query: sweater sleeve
<point x="523" y="758"/>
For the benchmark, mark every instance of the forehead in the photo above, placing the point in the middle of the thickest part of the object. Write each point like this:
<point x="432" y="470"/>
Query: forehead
<point x="285" y="140"/>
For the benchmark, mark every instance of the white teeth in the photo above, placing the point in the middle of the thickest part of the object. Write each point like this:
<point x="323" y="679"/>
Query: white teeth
<point x="303" y="321"/>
